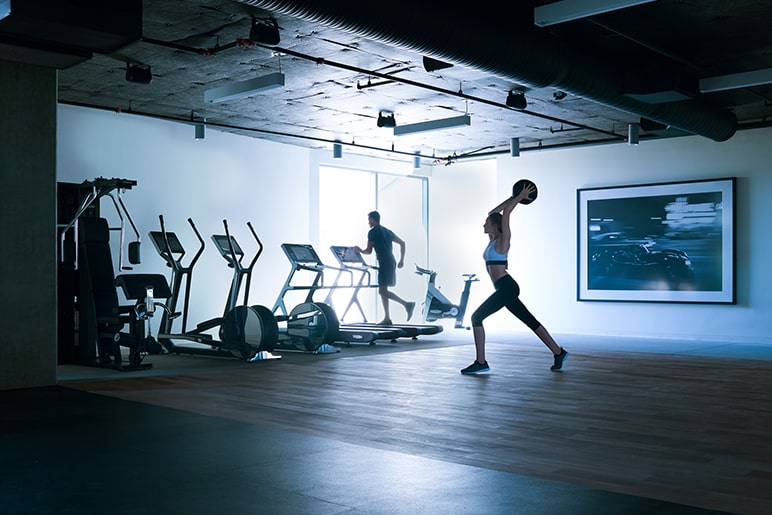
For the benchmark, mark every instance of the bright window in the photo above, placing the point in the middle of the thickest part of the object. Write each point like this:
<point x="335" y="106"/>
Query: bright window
<point x="345" y="198"/>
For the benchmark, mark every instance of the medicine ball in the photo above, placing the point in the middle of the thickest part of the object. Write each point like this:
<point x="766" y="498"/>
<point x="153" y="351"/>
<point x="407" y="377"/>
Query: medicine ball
<point x="518" y="187"/>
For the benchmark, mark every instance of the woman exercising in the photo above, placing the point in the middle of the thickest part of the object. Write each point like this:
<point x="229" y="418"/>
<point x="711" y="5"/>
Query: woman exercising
<point x="507" y="290"/>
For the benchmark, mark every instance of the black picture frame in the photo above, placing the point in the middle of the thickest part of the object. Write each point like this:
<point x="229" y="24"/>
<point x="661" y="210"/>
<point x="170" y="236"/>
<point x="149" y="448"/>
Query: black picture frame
<point x="663" y="242"/>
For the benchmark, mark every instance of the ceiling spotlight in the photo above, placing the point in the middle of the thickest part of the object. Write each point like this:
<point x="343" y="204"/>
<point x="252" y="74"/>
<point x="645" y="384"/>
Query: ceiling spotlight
<point x="514" y="147"/>
<point x="138" y="73"/>
<point x="633" y="133"/>
<point x="199" y="125"/>
<point x="265" y="32"/>
<point x="337" y="150"/>
<point x="386" y="120"/>
<point x="516" y="100"/>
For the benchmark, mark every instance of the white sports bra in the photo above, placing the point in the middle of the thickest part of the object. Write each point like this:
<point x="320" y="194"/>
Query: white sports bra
<point x="492" y="257"/>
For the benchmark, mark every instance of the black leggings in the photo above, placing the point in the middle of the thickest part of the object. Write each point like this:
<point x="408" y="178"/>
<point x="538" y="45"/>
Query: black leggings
<point x="506" y="295"/>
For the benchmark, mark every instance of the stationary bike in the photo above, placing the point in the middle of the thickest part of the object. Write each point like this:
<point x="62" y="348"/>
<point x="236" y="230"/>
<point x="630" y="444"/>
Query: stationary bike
<point x="438" y="306"/>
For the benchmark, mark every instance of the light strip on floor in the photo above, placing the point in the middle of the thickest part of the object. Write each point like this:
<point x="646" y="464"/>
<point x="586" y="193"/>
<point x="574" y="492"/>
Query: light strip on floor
<point x="433" y="125"/>
<point x="567" y="10"/>
<point x="244" y="88"/>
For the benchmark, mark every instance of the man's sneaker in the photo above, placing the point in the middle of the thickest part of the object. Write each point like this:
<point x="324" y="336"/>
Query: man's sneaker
<point x="559" y="359"/>
<point x="409" y="308"/>
<point x="476" y="368"/>
<point x="385" y="321"/>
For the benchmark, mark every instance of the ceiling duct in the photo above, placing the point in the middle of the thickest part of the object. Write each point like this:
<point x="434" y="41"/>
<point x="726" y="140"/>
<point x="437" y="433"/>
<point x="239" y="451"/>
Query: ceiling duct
<point x="60" y="34"/>
<point x="518" y="52"/>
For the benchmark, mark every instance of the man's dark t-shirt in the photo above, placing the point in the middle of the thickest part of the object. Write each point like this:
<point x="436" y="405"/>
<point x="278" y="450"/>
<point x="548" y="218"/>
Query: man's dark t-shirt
<point x="382" y="239"/>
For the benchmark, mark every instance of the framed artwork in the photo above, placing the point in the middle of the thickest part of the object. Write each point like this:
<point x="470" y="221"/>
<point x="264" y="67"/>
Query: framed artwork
<point x="667" y="242"/>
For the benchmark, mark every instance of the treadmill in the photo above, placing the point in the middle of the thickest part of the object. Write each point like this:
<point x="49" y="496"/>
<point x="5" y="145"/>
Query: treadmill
<point x="307" y="275"/>
<point x="354" y="263"/>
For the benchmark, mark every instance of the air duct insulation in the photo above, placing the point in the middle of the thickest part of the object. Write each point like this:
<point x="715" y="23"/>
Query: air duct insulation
<point x="521" y="53"/>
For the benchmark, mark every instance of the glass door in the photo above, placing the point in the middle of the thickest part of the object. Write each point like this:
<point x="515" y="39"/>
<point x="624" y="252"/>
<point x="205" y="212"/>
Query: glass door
<point x="346" y="196"/>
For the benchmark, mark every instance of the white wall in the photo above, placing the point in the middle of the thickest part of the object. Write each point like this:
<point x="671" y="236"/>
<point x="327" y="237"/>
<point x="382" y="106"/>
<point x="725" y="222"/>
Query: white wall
<point x="274" y="186"/>
<point x="225" y="176"/>
<point x="543" y="259"/>
<point x="460" y="197"/>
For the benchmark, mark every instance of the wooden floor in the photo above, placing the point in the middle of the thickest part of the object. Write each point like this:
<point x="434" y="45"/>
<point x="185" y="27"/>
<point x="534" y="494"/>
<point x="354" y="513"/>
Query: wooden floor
<point x="685" y="429"/>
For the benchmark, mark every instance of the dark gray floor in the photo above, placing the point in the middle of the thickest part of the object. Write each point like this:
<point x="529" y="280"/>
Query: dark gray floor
<point x="70" y="452"/>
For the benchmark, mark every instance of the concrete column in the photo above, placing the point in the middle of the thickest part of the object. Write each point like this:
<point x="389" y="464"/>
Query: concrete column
<point x="27" y="225"/>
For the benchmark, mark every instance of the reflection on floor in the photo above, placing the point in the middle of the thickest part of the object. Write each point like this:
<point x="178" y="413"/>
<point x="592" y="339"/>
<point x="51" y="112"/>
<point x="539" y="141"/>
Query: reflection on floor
<point x="631" y="426"/>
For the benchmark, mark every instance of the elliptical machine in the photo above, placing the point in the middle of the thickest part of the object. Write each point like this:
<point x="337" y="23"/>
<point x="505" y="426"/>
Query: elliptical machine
<point x="248" y="332"/>
<point x="437" y="305"/>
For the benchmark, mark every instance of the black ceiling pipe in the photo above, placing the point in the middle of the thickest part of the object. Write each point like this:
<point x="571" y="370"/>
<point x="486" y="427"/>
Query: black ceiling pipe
<point x="505" y="47"/>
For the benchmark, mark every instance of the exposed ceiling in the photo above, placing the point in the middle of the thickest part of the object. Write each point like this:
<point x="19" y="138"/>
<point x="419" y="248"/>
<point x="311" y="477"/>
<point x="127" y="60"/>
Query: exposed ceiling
<point x="344" y="62"/>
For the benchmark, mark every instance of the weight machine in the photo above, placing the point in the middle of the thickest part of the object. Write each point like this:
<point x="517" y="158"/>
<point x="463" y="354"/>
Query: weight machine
<point x="91" y="321"/>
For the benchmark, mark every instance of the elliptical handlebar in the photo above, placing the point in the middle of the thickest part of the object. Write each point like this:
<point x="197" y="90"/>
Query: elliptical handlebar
<point x="167" y="253"/>
<point x="234" y="255"/>
<point x="201" y="243"/>
<point x="180" y="273"/>
<point x="232" y="258"/>
<point x="259" y="245"/>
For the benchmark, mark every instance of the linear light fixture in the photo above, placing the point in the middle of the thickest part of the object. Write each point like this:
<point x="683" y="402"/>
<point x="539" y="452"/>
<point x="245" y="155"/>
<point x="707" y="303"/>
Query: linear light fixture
<point x="433" y="125"/>
<point x="567" y="10"/>
<point x="244" y="88"/>
<point x="736" y="80"/>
